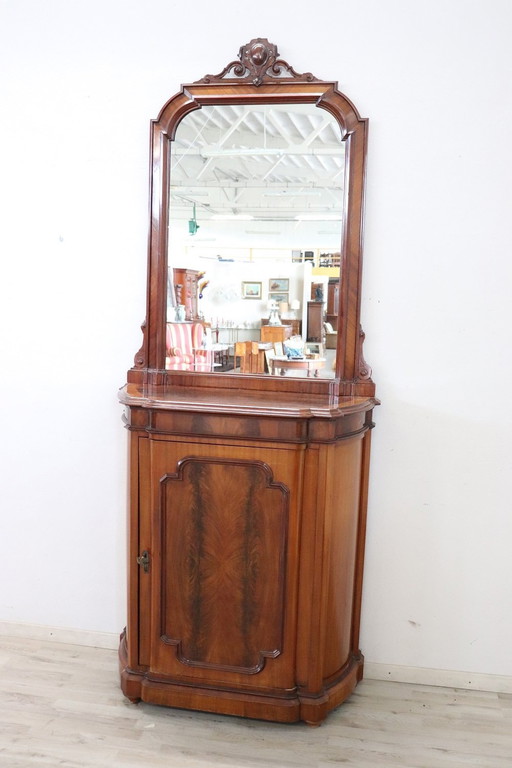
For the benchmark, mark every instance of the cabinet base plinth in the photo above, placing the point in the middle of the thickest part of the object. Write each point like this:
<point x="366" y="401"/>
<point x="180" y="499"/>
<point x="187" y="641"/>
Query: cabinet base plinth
<point x="292" y="707"/>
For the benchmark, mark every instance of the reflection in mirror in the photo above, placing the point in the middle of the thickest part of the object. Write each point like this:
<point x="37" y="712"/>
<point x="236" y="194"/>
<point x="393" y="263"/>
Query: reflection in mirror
<point x="255" y="217"/>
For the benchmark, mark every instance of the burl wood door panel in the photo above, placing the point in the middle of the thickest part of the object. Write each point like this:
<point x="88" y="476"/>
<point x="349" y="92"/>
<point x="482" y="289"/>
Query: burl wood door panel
<point x="224" y="544"/>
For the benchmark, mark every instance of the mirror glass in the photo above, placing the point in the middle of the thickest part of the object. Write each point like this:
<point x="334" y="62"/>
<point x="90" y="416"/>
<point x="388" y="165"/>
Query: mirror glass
<point x="255" y="229"/>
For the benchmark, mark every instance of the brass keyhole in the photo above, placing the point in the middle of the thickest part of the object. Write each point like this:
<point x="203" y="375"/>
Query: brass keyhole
<point x="143" y="560"/>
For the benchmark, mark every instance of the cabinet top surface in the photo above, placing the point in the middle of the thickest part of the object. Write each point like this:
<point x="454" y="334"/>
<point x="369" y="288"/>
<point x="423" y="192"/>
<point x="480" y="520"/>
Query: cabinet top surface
<point x="242" y="402"/>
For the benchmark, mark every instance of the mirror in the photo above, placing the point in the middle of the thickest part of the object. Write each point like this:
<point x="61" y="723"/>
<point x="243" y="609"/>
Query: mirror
<point x="255" y="242"/>
<point x="255" y="217"/>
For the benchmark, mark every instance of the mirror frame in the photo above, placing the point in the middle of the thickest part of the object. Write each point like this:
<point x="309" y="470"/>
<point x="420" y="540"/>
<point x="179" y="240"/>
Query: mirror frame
<point x="259" y="76"/>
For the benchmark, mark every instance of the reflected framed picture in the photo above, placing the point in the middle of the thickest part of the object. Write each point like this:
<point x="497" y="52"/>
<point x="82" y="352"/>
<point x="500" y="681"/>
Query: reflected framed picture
<point x="251" y="290"/>
<point x="279" y="284"/>
<point x="278" y="297"/>
<point x="313" y="349"/>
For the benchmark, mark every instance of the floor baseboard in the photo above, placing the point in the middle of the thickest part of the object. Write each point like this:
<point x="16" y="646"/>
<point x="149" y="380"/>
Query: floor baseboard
<point x="444" y="678"/>
<point x="109" y="640"/>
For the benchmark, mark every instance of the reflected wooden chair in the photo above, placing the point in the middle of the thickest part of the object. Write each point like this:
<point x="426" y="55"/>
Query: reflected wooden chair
<point x="252" y="359"/>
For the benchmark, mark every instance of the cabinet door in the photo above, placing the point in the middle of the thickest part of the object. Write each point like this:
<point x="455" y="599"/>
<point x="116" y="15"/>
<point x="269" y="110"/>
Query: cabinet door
<point x="333" y="302"/>
<point x="187" y="278"/>
<point x="315" y="321"/>
<point x="224" y="563"/>
<point x="191" y="295"/>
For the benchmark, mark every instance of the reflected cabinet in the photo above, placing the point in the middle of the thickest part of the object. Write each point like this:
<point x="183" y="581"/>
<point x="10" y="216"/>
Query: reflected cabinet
<point x="247" y="487"/>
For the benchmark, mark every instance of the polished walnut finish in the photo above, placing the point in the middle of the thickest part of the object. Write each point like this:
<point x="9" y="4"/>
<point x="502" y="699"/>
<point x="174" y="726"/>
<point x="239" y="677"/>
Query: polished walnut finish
<point x="217" y="553"/>
<point x="248" y="493"/>
<point x="255" y="523"/>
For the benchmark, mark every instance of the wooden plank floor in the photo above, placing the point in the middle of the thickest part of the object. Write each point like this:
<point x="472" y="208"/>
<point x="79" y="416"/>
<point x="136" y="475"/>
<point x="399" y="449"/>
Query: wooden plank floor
<point x="60" y="705"/>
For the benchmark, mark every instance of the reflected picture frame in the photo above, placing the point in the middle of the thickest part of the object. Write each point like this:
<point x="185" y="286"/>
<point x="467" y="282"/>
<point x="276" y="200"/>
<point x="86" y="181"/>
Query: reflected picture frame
<point x="314" y="348"/>
<point x="279" y="285"/>
<point x="251" y="290"/>
<point x="279" y="298"/>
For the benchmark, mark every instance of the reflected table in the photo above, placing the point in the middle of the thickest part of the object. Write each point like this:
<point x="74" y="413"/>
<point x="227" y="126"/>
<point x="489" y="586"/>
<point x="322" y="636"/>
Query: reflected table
<point x="283" y="363"/>
<point x="220" y="354"/>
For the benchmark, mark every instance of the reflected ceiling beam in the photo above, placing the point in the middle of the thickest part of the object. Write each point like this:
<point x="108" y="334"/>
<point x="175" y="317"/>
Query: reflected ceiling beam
<point x="272" y="168"/>
<point x="312" y="136"/>
<point x="295" y="149"/>
<point x="261" y="213"/>
<point x="297" y="126"/>
<point x="219" y="144"/>
<point x="257" y="184"/>
<point x="282" y="131"/>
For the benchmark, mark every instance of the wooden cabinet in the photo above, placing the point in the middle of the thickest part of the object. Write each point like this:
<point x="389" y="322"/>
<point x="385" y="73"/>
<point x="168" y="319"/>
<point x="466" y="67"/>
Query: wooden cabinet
<point x="315" y="321"/>
<point x="247" y="491"/>
<point x="333" y="302"/>
<point x="292" y="326"/>
<point x="186" y="288"/>
<point x="275" y="333"/>
<point x="248" y="530"/>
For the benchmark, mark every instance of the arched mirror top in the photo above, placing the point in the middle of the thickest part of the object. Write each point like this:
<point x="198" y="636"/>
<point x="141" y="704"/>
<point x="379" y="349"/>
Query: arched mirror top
<point x="257" y="181"/>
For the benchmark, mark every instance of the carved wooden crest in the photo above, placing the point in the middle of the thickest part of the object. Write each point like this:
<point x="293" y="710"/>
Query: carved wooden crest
<point x="258" y="61"/>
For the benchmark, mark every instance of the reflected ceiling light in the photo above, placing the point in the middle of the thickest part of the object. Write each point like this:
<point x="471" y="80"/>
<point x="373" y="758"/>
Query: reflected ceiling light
<point x="262" y="232"/>
<point x="232" y="217"/>
<point x="318" y="217"/>
<point x="293" y="193"/>
<point x="206" y="152"/>
<point x="186" y="195"/>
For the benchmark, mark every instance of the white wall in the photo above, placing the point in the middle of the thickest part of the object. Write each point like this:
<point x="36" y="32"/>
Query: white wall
<point x="222" y="301"/>
<point x="81" y="81"/>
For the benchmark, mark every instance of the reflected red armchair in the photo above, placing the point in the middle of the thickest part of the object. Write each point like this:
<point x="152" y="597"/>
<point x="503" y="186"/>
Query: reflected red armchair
<point x="184" y="348"/>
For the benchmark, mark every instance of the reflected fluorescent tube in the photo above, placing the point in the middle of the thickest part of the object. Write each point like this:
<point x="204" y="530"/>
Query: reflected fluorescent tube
<point x="232" y="217"/>
<point x="318" y="217"/>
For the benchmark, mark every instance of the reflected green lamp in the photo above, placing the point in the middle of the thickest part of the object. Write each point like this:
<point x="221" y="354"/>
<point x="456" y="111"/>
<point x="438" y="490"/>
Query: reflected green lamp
<point x="193" y="226"/>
